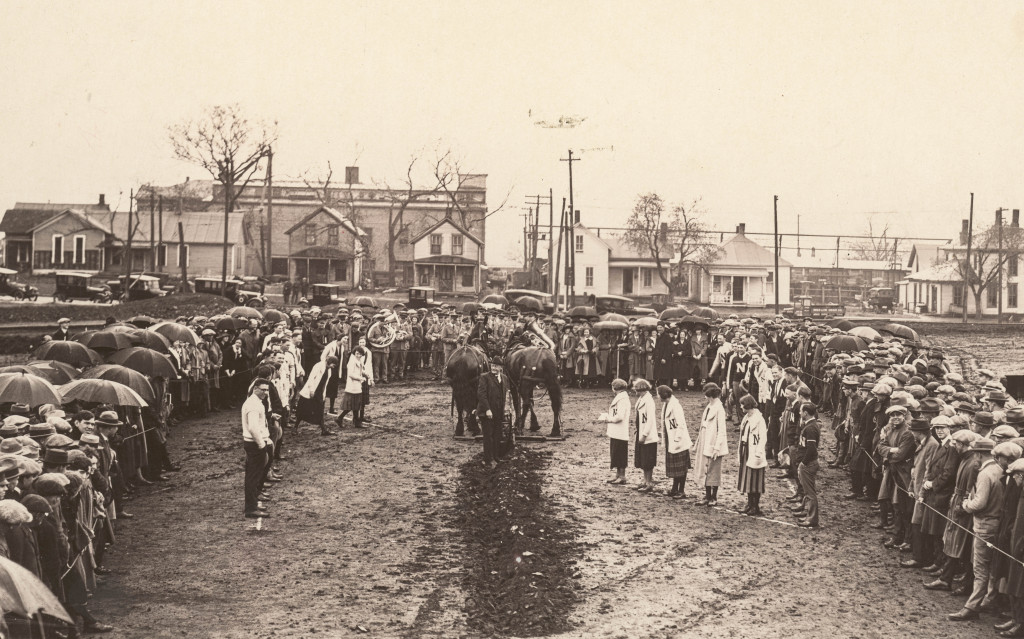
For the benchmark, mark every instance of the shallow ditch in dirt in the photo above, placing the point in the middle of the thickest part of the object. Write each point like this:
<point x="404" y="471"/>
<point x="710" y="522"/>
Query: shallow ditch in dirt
<point x="520" y="553"/>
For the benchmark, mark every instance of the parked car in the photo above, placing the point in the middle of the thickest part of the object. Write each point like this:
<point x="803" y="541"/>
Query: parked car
<point x="805" y="307"/>
<point x="17" y="290"/>
<point x="242" y="292"/>
<point x="421" y="297"/>
<point x="81" y="286"/>
<point x="140" y="287"/>
<point x="880" y="299"/>
<point x="622" y="305"/>
<point x="513" y="294"/>
<point x="324" y="295"/>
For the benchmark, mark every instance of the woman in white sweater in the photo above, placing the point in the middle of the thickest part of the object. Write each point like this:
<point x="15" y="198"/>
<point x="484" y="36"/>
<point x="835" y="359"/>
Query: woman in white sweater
<point x="352" y="398"/>
<point x="645" y="455"/>
<point x="711" y="445"/>
<point x="677" y="442"/>
<point x="753" y="435"/>
<point x="617" y="419"/>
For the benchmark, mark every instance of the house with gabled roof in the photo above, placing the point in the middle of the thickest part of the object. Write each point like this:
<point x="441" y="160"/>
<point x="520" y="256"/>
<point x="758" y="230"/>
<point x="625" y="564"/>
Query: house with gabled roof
<point x="23" y="252"/>
<point x="742" y="275"/>
<point x="448" y="257"/>
<point x="326" y="246"/>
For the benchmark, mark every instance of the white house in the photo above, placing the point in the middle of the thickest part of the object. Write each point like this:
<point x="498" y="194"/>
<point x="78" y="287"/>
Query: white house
<point x="606" y="265"/>
<point x="447" y="257"/>
<point x="743" y="275"/>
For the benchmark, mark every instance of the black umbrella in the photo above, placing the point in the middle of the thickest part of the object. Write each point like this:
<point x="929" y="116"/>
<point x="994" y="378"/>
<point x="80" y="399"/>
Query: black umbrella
<point x="273" y="316"/>
<point x="151" y="339"/>
<point x="495" y="299"/>
<point x="106" y="340"/>
<point x="56" y="372"/>
<point x="841" y="324"/>
<point x="674" y="313"/>
<point x="846" y="344"/>
<point x="229" y="324"/>
<point x="123" y="375"/>
<point x="529" y="304"/>
<point x="901" y="331"/>
<point x="694" y="321"/>
<point x="73" y="353"/>
<point x="706" y="312"/>
<point x="142" y="321"/>
<point x="146" y="361"/>
<point x="470" y="307"/>
<point x="584" y="312"/>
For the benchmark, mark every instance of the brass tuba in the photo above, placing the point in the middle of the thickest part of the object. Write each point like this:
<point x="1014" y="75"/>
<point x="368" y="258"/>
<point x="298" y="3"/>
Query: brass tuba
<point x="544" y="339"/>
<point x="384" y="341"/>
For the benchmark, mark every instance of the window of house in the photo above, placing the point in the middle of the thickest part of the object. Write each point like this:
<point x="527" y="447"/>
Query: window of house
<point x="958" y="295"/>
<point x="456" y="244"/>
<point x="311" y="235"/>
<point x="645" y="274"/>
<point x="1011" y="265"/>
<point x="589" y="274"/>
<point x="57" y="249"/>
<point x="332" y="235"/>
<point x="79" y="249"/>
<point x="467" y="277"/>
<point x="993" y="296"/>
<point x="769" y="284"/>
<point x="717" y="284"/>
<point x="403" y="235"/>
<point x="161" y="255"/>
<point x="183" y="255"/>
<point x="579" y="243"/>
<point x="279" y="266"/>
<point x="236" y="256"/>
<point x="1011" y="295"/>
<point x="435" y="244"/>
<point x="341" y="270"/>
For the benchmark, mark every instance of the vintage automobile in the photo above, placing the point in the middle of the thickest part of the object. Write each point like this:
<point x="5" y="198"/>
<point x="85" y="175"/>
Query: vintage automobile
<point x="805" y="308"/>
<point x="324" y="295"/>
<point x="880" y="299"/>
<point x="140" y="287"/>
<point x="513" y="294"/>
<point x="17" y="290"/>
<point x="242" y="292"/>
<point x="81" y="286"/>
<point x="621" y="305"/>
<point x="421" y="297"/>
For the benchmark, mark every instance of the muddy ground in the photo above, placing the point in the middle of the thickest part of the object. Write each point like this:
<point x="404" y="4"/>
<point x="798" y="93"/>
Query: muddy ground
<point x="364" y="540"/>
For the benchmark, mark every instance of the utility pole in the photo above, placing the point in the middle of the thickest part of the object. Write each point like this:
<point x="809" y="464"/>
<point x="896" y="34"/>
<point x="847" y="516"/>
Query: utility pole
<point x="776" y="208"/>
<point x="268" y="257"/>
<point x="551" y="244"/>
<point x="798" y="235"/>
<point x="182" y="255"/>
<point x="570" y="262"/>
<point x="558" y="254"/>
<point x="128" y="250"/>
<point x="152" y="229"/>
<point x="967" y="271"/>
<point x="999" y="265"/>
<point x="160" y="231"/>
<point x="526" y="240"/>
<point x="534" y="271"/>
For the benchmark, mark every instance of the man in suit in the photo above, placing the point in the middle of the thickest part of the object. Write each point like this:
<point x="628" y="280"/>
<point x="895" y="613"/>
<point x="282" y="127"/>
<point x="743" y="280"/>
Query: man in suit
<point x="490" y="409"/>
<point x="63" y="333"/>
<point x="238" y="370"/>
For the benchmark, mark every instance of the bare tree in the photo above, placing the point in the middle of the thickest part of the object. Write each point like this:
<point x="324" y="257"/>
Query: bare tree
<point x="878" y="246"/>
<point x="986" y="261"/>
<point x="229" y="147"/>
<point x="677" y="240"/>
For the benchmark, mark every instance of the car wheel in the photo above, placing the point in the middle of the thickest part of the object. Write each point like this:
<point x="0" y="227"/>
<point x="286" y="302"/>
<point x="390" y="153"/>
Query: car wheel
<point x="33" y="297"/>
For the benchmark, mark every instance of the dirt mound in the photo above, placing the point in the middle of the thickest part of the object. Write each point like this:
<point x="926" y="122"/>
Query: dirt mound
<point x="520" y="552"/>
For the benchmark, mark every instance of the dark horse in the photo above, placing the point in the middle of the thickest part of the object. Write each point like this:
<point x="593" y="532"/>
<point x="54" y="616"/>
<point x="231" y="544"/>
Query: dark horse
<point x="463" y="371"/>
<point x="528" y="367"/>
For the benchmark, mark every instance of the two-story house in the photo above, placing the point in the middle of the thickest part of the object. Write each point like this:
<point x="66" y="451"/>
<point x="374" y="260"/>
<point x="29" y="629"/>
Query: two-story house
<point x="447" y="256"/>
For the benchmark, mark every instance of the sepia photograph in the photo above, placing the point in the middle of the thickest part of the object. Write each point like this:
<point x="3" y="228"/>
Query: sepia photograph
<point x="574" y="319"/>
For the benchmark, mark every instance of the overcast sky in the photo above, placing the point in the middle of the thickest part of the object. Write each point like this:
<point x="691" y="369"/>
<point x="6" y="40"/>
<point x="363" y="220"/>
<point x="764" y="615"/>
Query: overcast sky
<point x="839" y="108"/>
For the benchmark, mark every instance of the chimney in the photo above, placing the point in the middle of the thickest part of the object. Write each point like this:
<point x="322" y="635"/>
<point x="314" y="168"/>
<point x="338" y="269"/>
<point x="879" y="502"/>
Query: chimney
<point x="965" y="230"/>
<point x="1015" y="221"/>
<point x="663" y="233"/>
<point x="577" y="217"/>
<point x="103" y="199"/>
<point x="741" y="228"/>
<point x="351" y="175"/>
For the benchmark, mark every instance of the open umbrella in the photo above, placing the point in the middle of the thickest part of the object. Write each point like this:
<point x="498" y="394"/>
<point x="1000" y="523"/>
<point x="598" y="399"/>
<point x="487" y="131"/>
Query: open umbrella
<point x="146" y="361"/>
<point x="530" y="304"/>
<point x="142" y="321"/>
<point x="229" y="324"/>
<point x="470" y="307"/>
<point x="123" y="375"/>
<point x="866" y="332"/>
<point x="495" y="299"/>
<point x="695" y="321"/>
<point x="614" y="317"/>
<point x="23" y="388"/>
<point x="841" y="324"/>
<point x="610" y="325"/>
<point x="706" y="312"/>
<point x="55" y="372"/>
<point x="273" y="316"/>
<point x="24" y="595"/>
<point x="106" y="340"/>
<point x="584" y="313"/>
<point x="247" y="312"/>
<point x="846" y="343"/>
<point x="101" y="391"/>
<point x="151" y="339"/>
<point x="176" y="332"/>
<point x="28" y="369"/>
<point x="646" y="322"/>
<point x="674" y="313"/>
<point x="901" y="331"/>
<point x="73" y="353"/>
<point x="364" y="301"/>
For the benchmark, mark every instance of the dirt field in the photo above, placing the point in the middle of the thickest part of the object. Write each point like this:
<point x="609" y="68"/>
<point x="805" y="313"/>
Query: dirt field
<point x="365" y="539"/>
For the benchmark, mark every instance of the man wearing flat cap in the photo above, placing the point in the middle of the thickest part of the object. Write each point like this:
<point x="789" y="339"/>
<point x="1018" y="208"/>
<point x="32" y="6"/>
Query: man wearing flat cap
<point x="896" y="450"/>
<point x="63" y="333"/>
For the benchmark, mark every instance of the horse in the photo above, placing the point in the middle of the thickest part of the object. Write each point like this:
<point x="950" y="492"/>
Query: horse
<point x="463" y="371"/>
<point x="528" y="367"/>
